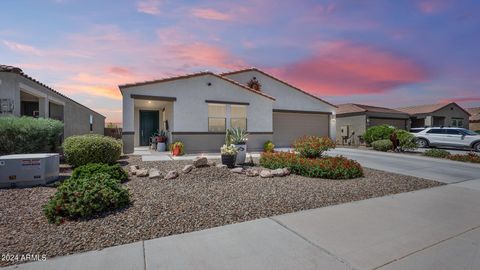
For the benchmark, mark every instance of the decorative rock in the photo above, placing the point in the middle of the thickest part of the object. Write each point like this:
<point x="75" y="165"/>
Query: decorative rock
<point x="212" y="163"/>
<point x="171" y="175"/>
<point x="251" y="172"/>
<point x="153" y="173"/>
<point x="200" y="162"/>
<point x="221" y="166"/>
<point x="142" y="173"/>
<point x="278" y="172"/>
<point x="133" y="169"/>
<point x="187" y="168"/>
<point x="237" y="170"/>
<point x="286" y="171"/>
<point x="266" y="174"/>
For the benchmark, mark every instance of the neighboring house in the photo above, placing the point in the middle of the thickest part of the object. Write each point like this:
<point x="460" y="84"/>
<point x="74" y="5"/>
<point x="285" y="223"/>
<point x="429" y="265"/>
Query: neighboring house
<point x="437" y="115"/>
<point x="198" y="108"/>
<point x="354" y="119"/>
<point x="474" y="118"/>
<point x="21" y="95"/>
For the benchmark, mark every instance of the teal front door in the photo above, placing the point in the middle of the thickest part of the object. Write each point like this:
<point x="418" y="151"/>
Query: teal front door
<point x="148" y="126"/>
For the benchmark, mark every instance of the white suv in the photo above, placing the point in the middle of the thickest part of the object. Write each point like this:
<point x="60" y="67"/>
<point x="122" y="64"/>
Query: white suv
<point x="448" y="136"/>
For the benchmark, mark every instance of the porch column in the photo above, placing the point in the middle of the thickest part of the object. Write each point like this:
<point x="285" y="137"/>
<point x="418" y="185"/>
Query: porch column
<point x="43" y="107"/>
<point x="128" y="132"/>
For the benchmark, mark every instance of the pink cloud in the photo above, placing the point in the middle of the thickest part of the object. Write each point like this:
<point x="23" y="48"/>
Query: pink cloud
<point x="22" y="48"/>
<point x="151" y="7"/>
<point x="460" y="99"/>
<point x="344" y="68"/>
<point x="210" y="14"/>
<point x="431" y="6"/>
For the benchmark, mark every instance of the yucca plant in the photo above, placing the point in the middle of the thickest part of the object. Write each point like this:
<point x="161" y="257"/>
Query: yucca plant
<point x="236" y="136"/>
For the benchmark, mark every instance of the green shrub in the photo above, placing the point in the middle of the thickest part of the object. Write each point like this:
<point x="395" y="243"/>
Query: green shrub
<point x="84" y="149"/>
<point x="376" y="133"/>
<point x="312" y="146"/>
<point x="20" y="135"/>
<point x="326" y="167"/>
<point x="438" y="153"/>
<point x="407" y="140"/>
<point x="470" y="157"/>
<point x="382" y="145"/>
<point x="87" y="171"/>
<point x="268" y="147"/>
<point x="85" y="197"/>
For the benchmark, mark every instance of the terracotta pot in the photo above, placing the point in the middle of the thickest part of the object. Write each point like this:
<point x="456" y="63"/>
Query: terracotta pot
<point x="176" y="151"/>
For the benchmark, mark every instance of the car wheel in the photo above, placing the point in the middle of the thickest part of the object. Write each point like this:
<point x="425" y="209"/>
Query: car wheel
<point x="422" y="143"/>
<point x="476" y="147"/>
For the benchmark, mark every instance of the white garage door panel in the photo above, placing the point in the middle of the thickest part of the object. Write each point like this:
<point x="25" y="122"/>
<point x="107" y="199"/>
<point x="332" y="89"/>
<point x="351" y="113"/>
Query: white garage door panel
<point x="289" y="126"/>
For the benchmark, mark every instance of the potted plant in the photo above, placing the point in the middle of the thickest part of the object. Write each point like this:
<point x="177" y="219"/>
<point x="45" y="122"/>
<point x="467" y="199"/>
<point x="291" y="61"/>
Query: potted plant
<point x="229" y="154"/>
<point x="161" y="141"/>
<point x="238" y="137"/>
<point x="177" y="148"/>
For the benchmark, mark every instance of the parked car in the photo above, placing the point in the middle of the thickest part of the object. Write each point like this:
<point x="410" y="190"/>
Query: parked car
<point x="416" y="130"/>
<point x="448" y="136"/>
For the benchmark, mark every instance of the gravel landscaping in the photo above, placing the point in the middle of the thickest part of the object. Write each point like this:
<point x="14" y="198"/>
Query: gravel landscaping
<point x="204" y="198"/>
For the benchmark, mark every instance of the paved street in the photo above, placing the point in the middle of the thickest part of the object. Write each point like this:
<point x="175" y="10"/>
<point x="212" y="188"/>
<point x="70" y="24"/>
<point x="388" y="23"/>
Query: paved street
<point x="437" y="228"/>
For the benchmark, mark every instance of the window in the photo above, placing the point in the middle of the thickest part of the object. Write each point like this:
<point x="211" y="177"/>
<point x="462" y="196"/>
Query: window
<point x="238" y="116"/>
<point x="453" y="132"/>
<point x="457" y="122"/>
<point x="217" y="117"/>
<point x="435" y="131"/>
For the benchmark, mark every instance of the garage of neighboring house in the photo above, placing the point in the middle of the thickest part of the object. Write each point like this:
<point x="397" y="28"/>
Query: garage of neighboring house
<point x="288" y="126"/>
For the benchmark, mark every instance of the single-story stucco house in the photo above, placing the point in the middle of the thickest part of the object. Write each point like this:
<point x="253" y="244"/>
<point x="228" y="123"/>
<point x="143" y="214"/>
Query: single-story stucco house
<point x="474" y="118"/>
<point x="198" y="108"/>
<point x="21" y="95"/>
<point x="437" y="115"/>
<point x="354" y="119"/>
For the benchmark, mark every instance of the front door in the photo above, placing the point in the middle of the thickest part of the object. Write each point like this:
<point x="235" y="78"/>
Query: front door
<point x="148" y="126"/>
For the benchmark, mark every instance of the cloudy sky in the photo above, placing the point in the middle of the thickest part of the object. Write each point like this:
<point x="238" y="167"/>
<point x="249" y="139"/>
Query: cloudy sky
<point x="387" y="53"/>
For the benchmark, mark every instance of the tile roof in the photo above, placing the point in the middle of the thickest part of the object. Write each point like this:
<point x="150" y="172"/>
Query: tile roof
<point x="360" y="108"/>
<point x="275" y="78"/>
<point x="428" y="108"/>
<point x="19" y="71"/>
<point x="196" y="75"/>
<point x="475" y="114"/>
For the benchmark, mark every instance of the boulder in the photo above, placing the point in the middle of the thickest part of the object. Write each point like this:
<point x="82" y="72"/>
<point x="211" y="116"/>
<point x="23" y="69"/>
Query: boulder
<point x="266" y="174"/>
<point x="281" y="172"/>
<point x="251" y="172"/>
<point x="154" y="173"/>
<point x="221" y="166"/>
<point x="133" y="169"/>
<point x="142" y="173"/>
<point x="212" y="163"/>
<point x="286" y="171"/>
<point x="187" y="168"/>
<point x="200" y="162"/>
<point x="171" y="175"/>
<point x="237" y="170"/>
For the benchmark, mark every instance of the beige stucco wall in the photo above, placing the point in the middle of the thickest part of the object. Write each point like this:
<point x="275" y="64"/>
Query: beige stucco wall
<point x="449" y="112"/>
<point x="356" y="123"/>
<point x="76" y="117"/>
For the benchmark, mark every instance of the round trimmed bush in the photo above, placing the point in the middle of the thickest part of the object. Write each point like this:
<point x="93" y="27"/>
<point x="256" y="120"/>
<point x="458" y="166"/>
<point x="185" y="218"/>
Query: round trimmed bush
<point x="84" y="149"/>
<point x="85" y="197"/>
<point x="382" y="145"/>
<point x="115" y="171"/>
<point x="313" y="146"/>
<point x="375" y="133"/>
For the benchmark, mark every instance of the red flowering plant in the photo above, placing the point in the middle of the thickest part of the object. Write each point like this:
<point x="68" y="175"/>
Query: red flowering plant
<point x="313" y="146"/>
<point x="470" y="157"/>
<point x="326" y="167"/>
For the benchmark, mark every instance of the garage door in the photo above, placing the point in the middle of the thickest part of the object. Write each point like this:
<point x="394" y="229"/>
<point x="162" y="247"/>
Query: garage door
<point x="398" y="123"/>
<point x="288" y="126"/>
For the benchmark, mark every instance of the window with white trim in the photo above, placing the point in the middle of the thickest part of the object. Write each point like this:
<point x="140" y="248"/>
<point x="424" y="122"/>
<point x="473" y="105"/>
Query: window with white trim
<point x="238" y="116"/>
<point x="457" y="122"/>
<point x="217" y="117"/>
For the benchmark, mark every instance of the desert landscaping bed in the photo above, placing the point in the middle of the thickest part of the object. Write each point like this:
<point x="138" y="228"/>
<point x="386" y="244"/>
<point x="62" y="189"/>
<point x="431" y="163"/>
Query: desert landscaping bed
<point x="204" y="198"/>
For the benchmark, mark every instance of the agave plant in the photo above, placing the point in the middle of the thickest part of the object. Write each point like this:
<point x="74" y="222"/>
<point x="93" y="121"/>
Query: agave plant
<point x="236" y="136"/>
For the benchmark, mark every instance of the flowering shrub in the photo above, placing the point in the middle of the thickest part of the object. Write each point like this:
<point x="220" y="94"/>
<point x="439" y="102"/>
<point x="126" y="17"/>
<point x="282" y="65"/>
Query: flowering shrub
<point x="230" y="150"/>
<point x="312" y="146"/>
<point x="470" y="157"/>
<point x="327" y="167"/>
<point x="268" y="146"/>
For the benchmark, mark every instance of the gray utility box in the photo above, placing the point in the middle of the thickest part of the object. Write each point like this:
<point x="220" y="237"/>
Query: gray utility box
<point x="27" y="170"/>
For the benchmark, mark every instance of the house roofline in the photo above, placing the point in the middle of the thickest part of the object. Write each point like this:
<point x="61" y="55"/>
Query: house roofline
<point x="198" y="74"/>
<point x="446" y="104"/>
<point x="277" y="79"/>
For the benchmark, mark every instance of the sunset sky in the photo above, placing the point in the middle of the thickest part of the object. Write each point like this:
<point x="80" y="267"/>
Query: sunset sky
<point x="386" y="53"/>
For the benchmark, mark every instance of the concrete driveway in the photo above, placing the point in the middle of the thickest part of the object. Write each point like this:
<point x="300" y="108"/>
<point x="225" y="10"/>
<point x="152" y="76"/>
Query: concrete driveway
<point x="437" y="229"/>
<point x="442" y="170"/>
